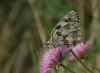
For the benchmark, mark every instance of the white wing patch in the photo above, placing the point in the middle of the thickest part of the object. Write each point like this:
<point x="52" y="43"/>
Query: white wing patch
<point x="67" y="31"/>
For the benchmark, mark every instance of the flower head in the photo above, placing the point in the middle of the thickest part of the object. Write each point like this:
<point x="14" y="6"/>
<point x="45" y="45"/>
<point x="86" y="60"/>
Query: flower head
<point x="79" y="50"/>
<point x="51" y="57"/>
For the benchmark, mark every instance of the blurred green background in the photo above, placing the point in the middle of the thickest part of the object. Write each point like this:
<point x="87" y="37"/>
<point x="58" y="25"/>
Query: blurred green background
<point x="26" y="24"/>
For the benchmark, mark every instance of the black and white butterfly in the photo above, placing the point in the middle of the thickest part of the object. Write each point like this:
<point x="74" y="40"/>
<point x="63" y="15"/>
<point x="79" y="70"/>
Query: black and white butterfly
<point x="67" y="31"/>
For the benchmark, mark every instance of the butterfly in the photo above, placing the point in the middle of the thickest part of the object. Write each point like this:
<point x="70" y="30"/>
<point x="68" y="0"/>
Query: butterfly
<point x="67" y="31"/>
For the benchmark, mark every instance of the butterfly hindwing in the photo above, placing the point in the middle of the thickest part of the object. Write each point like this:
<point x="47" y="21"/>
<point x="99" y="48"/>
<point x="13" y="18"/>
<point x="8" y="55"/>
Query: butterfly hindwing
<point x="67" y="31"/>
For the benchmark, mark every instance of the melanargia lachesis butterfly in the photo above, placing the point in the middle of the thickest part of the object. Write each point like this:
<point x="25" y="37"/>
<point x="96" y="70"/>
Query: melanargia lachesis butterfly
<point x="67" y="31"/>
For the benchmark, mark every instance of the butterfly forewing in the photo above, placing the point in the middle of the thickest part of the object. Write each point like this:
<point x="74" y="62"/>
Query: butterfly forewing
<point x="67" y="31"/>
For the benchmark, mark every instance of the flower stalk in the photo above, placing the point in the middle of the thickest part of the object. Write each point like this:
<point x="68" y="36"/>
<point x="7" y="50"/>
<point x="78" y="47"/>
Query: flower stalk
<point x="80" y="61"/>
<point x="67" y="68"/>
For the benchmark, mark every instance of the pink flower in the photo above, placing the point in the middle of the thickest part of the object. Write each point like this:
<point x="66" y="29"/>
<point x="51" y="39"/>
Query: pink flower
<point x="80" y="50"/>
<point x="52" y="57"/>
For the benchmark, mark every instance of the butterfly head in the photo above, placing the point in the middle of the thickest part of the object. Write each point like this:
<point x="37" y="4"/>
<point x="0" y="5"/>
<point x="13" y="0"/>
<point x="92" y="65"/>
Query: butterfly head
<point x="47" y="44"/>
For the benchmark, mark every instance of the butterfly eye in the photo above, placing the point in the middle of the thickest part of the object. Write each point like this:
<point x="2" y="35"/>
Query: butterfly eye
<point x="47" y="43"/>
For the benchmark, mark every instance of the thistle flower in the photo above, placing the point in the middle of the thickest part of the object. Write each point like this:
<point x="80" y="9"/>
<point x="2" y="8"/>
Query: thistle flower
<point x="52" y="57"/>
<point x="79" y="50"/>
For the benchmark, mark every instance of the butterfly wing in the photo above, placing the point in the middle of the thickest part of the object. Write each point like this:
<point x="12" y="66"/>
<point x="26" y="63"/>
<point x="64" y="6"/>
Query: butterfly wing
<point x="67" y="31"/>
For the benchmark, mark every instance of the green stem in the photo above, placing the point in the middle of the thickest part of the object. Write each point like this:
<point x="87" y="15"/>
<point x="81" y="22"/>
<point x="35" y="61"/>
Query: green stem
<point x="97" y="69"/>
<point x="66" y="68"/>
<point x="80" y="61"/>
<point x="94" y="66"/>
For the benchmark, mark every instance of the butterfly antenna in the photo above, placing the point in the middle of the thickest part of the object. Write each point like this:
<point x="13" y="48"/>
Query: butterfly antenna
<point x="40" y="48"/>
